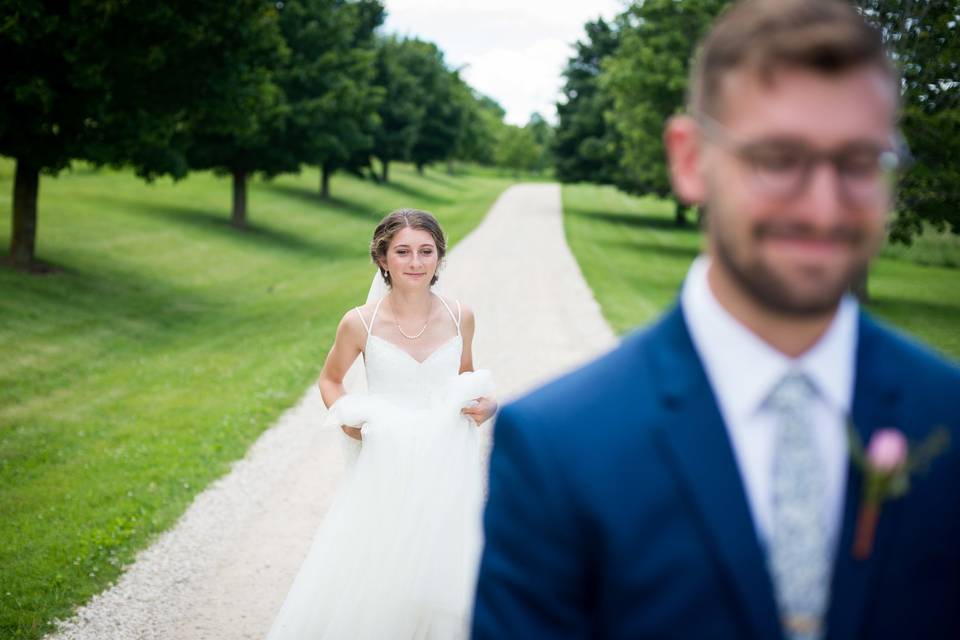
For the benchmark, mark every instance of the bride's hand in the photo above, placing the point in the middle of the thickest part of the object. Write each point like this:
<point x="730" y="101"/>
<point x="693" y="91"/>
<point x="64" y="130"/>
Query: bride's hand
<point x="353" y="432"/>
<point x="480" y="410"/>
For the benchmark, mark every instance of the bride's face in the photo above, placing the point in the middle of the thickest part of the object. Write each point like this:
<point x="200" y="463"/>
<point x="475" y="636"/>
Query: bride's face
<point x="411" y="258"/>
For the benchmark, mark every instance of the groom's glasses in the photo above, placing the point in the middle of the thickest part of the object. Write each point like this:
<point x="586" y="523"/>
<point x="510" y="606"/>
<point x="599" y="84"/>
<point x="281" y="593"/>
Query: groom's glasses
<point x="781" y="168"/>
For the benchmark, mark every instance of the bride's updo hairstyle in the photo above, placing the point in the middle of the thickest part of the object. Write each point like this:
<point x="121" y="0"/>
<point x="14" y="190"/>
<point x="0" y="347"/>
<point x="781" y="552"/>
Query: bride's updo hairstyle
<point x="392" y="224"/>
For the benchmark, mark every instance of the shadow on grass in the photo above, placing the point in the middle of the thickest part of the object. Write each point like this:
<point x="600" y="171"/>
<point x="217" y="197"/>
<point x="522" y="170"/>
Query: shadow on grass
<point x="652" y="222"/>
<point x="218" y="223"/>
<point x="445" y="180"/>
<point x="312" y="197"/>
<point x="421" y="199"/>
<point x="35" y="267"/>
<point x="684" y="253"/>
<point x="643" y="220"/>
<point x="132" y="305"/>
<point x="903" y="309"/>
<point x="932" y="323"/>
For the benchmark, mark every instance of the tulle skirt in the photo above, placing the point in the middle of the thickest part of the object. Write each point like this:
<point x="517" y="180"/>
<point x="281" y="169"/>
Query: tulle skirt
<point x="396" y="556"/>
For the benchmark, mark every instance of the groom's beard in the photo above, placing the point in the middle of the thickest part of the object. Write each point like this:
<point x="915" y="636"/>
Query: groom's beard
<point x="810" y="291"/>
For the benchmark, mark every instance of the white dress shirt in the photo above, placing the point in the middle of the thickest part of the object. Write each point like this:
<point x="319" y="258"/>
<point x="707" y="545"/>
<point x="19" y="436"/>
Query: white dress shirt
<point x="743" y="370"/>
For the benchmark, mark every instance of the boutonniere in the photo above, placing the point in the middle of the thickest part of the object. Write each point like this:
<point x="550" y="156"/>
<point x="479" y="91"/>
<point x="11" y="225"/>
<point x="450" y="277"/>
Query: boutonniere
<point x="886" y="466"/>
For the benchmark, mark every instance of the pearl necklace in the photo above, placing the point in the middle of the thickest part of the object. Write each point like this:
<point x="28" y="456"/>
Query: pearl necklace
<point x="396" y="321"/>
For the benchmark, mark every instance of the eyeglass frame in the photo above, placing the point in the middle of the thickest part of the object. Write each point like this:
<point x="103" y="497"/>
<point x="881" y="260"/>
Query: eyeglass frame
<point x="891" y="161"/>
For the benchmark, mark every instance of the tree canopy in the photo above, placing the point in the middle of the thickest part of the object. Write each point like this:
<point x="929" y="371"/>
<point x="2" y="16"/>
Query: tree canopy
<point x="924" y="38"/>
<point x="245" y="88"/>
<point x="646" y="79"/>
<point x="628" y="76"/>
<point x="428" y="113"/>
<point x="443" y="107"/>
<point x="518" y="148"/>
<point x="585" y="146"/>
<point x="120" y="84"/>
<point x="316" y="103"/>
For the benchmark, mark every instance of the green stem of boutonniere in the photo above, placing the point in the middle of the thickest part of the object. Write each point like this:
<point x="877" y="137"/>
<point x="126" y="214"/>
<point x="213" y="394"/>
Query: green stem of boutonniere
<point x="877" y="487"/>
<point x="866" y="527"/>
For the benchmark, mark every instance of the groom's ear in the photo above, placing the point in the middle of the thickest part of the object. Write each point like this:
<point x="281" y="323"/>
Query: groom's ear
<point x="681" y="139"/>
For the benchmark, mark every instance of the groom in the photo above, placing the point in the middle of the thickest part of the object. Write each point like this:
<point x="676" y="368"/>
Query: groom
<point x="697" y="482"/>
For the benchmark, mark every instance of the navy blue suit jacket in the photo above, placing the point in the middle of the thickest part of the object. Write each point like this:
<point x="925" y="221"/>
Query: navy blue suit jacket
<point x="616" y="509"/>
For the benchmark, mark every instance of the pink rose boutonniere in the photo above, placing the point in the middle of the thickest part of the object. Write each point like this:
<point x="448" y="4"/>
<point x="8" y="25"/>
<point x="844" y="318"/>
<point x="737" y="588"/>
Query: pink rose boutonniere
<point x="886" y="466"/>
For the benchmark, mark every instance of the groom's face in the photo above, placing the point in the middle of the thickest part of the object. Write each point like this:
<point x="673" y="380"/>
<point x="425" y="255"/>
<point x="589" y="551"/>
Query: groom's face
<point x="796" y="204"/>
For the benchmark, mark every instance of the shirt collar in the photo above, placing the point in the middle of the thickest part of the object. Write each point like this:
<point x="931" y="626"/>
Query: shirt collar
<point x="743" y="368"/>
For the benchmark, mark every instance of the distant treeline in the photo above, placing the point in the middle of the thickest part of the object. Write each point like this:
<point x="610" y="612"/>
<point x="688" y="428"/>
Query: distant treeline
<point x="243" y="88"/>
<point x="629" y="75"/>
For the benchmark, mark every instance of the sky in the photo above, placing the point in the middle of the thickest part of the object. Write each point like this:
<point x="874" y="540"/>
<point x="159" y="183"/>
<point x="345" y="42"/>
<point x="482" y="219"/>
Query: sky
<point x="511" y="50"/>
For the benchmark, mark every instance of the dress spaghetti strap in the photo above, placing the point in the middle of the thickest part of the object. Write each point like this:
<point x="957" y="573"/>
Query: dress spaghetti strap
<point x="357" y="309"/>
<point x="455" y="318"/>
<point x="369" y="327"/>
<point x="376" y="309"/>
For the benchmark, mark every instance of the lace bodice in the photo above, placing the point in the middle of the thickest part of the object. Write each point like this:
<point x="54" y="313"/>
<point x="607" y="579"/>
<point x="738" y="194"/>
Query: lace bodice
<point x="394" y="373"/>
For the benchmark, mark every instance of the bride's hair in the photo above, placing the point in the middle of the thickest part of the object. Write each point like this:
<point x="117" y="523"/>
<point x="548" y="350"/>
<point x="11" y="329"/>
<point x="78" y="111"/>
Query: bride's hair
<point x="391" y="225"/>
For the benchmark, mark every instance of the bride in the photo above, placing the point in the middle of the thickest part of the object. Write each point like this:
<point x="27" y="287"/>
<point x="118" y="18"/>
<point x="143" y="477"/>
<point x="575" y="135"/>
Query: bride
<point x="397" y="552"/>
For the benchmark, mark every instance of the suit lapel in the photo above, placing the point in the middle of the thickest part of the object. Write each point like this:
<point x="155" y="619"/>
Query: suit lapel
<point x="697" y="443"/>
<point x="875" y="405"/>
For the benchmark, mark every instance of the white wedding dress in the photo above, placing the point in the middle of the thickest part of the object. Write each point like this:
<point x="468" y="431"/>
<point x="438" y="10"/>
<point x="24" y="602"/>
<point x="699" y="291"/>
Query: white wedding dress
<point x="396" y="555"/>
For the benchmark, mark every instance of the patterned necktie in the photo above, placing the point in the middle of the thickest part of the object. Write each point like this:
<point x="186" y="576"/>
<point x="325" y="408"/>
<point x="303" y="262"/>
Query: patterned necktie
<point x="798" y="555"/>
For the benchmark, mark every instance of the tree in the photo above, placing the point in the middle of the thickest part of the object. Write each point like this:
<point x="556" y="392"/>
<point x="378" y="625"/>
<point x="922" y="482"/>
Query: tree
<point x="479" y="126"/>
<point x="118" y="84"/>
<point x="250" y="141"/>
<point x="585" y="146"/>
<point x="443" y="113"/>
<point x="251" y="146"/>
<point x="481" y="129"/>
<point x="402" y="108"/>
<point x="924" y="38"/>
<point x="647" y="80"/>
<point x="317" y="104"/>
<point x="352" y="119"/>
<point x="518" y="149"/>
<point x="428" y="113"/>
<point x="543" y="135"/>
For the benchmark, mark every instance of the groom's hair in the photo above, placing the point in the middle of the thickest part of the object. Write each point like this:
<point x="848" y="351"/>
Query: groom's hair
<point x="765" y="36"/>
<point x="401" y="219"/>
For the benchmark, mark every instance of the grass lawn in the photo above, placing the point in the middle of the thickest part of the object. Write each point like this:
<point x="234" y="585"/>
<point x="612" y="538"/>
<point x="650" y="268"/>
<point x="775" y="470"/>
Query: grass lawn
<point x="160" y="350"/>
<point x="635" y="260"/>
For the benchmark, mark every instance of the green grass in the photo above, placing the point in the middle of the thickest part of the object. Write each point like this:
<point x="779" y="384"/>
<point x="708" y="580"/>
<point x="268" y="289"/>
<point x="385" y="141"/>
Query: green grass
<point x="493" y="171"/>
<point x="160" y="350"/>
<point x="635" y="260"/>
<point x="933" y="248"/>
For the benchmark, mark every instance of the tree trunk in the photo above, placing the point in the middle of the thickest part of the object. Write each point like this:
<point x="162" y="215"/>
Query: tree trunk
<point x="680" y="215"/>
<point x="450" y="167"/>
<point x="386" y="171"/>
<point x="859" y="286"/>
<point x="325" y="182"/>
<point x="420" y="169"/>
<point x="239" y="215"/>
<point x="26" y="183"/>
